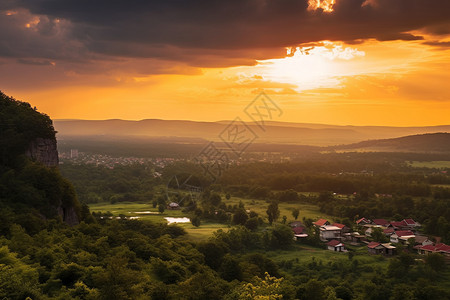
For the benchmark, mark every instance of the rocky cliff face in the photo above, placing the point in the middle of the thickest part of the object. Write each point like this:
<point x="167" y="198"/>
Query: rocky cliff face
<point x="68" y="215"/>
<point x="43" y="151"/>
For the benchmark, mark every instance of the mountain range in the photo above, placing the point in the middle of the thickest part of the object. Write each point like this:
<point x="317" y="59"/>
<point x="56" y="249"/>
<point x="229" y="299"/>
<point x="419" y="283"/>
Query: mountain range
<point x="270" y="133"/>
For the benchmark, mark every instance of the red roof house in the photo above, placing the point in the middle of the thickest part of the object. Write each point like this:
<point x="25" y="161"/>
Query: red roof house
<point x="298" y="230"/>
<point x="335" y="245"/>
<point x="363" y="221"/>
<point x="401" y="233"/>
<point x="411" y="223"/>
<point x="321" y="222"/>
<point x="438" y="248"/>
<point x="399" y="225"/>
<point x="401" y="236"/>
<point x="381" y="222"/>
<point x="379" y="248"/>
<point x="388" y="231"/>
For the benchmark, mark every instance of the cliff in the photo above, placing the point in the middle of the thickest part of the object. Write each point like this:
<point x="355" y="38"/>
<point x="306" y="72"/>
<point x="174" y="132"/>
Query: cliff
<point x="33" y="188"/>
<point x="43" y="151"/>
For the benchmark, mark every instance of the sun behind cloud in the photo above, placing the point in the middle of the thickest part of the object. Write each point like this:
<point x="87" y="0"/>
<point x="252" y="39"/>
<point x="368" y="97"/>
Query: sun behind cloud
<point x="325" y="5"/>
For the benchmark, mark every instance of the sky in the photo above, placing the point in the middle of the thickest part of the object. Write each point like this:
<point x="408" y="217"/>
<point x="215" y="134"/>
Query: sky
<point x="344" y="62"/>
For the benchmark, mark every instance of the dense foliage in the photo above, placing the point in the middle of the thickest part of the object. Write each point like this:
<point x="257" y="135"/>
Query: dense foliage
<point x="19" y="125"/>
<point x="30" y="193"/>
<point x="127" y="259"/>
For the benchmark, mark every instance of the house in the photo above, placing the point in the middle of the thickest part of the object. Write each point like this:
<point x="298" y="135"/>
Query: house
<point x="335" y="245"/>
<point x="380" y="222"/>
<point x="411" y="223"/>
<point x="299" y="232"/>
<point x="388" y="231"/>
<point x="402" y="225"/>
<point x="173" y="205"/>
<point x="362" y="221"/>
<point x="438" y="248"/>
<point x="321" y="222"/>
<point x="329" y="232"/>
<point x="379" y="248"/>
<point x="401" y="236"/>
<point x="423" y="240"/>
<point x="357" y="238"/>
<point x="344" y="229"/>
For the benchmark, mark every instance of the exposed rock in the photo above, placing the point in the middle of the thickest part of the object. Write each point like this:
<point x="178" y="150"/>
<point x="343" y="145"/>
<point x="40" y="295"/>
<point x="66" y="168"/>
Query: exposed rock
<point x="68" y="215"/>
<point x="43" y="151"/>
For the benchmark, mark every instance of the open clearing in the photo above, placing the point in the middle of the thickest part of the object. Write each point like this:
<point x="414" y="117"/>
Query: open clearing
<point x="438" y="164"/>
<point x="146" y="211"/>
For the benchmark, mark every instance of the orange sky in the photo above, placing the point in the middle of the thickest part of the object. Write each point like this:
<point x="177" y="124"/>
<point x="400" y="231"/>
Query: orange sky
<point x="371" y="82"/>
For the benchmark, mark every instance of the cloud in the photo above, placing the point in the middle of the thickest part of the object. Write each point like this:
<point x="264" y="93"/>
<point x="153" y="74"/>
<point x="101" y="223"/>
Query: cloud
<point x="35" y="62"/>
<point x="202" y="33"/>
<point x="440" y="44"/>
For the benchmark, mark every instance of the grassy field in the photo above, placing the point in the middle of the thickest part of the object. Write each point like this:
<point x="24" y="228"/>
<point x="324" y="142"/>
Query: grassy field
<point x="304" y="254"/>
<point x="441" y="164"/>
<point x="260" y="207"/>
<point x="133" y="209"/>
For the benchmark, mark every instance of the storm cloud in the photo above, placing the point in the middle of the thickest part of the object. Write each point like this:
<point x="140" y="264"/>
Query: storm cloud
<point x="204" y="33"/>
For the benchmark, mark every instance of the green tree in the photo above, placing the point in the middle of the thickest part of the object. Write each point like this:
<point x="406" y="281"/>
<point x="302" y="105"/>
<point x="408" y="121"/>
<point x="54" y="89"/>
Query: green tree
<point x="230" y="269"/>
<point x="195" y="220"/>
<point x="314" y="290"/>
<point x="401" y="292"/>
<point x="378" y="235"/>
<point x="203" y="286"/>
<point x="240" y="217"/>
<point x="436" y="262"/>
<point x="252" y="223"/>
<point x="295" y="213"/>
<point x="268" y="288"/>
<point x="273" y="212"/>
<point x="282" y="237"/>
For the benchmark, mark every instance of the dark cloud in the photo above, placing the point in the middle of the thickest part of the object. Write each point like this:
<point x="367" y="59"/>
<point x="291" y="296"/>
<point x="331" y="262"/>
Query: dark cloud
<point x="35" y="62"/>
<point x="443" y="45"/>
<point x="203" y="32"/>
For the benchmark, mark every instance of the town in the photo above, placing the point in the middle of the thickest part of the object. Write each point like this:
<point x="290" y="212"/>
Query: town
<point x="381" y="236"/>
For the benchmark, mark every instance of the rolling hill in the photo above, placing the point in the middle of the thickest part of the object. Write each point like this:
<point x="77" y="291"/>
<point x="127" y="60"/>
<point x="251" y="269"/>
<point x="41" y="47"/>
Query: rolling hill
<point x="431" y="142"/>
<point x="273" y="132"/>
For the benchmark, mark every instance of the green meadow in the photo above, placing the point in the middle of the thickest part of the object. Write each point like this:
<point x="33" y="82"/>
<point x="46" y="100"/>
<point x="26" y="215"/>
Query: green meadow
<point x="438" y="164"/>
<point x="141" y="210"/>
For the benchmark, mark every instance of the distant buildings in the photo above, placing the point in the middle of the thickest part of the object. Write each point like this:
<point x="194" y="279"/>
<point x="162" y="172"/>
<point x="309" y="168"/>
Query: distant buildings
<point x="379" y="248"/>
<point x="330" y="232"/>
<point x="337" y="246"/>
<point x="299" y="230"/>
<point x="73" y="153"/>
<point x="437" y="248"/>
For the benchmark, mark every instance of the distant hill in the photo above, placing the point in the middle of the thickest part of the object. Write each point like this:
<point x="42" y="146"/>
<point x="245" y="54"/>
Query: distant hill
<point x="431" y="142"/>
<point x="274" y="132"/>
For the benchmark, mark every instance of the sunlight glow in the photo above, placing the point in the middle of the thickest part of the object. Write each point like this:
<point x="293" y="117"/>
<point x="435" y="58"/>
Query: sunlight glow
<point x="310" y="67"/>
<point x="10" y="13"/>
<point x="325" y="5"/>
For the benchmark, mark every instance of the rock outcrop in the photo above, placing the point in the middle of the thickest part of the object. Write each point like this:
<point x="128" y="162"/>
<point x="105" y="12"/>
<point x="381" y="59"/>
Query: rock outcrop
<point x="43" y="151"/>
<point x="68" y="215"/>
<point x="41" y="188"/>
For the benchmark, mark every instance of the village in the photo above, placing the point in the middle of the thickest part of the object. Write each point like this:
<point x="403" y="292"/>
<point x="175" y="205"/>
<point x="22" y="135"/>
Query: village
<point x="381" y="236"/>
